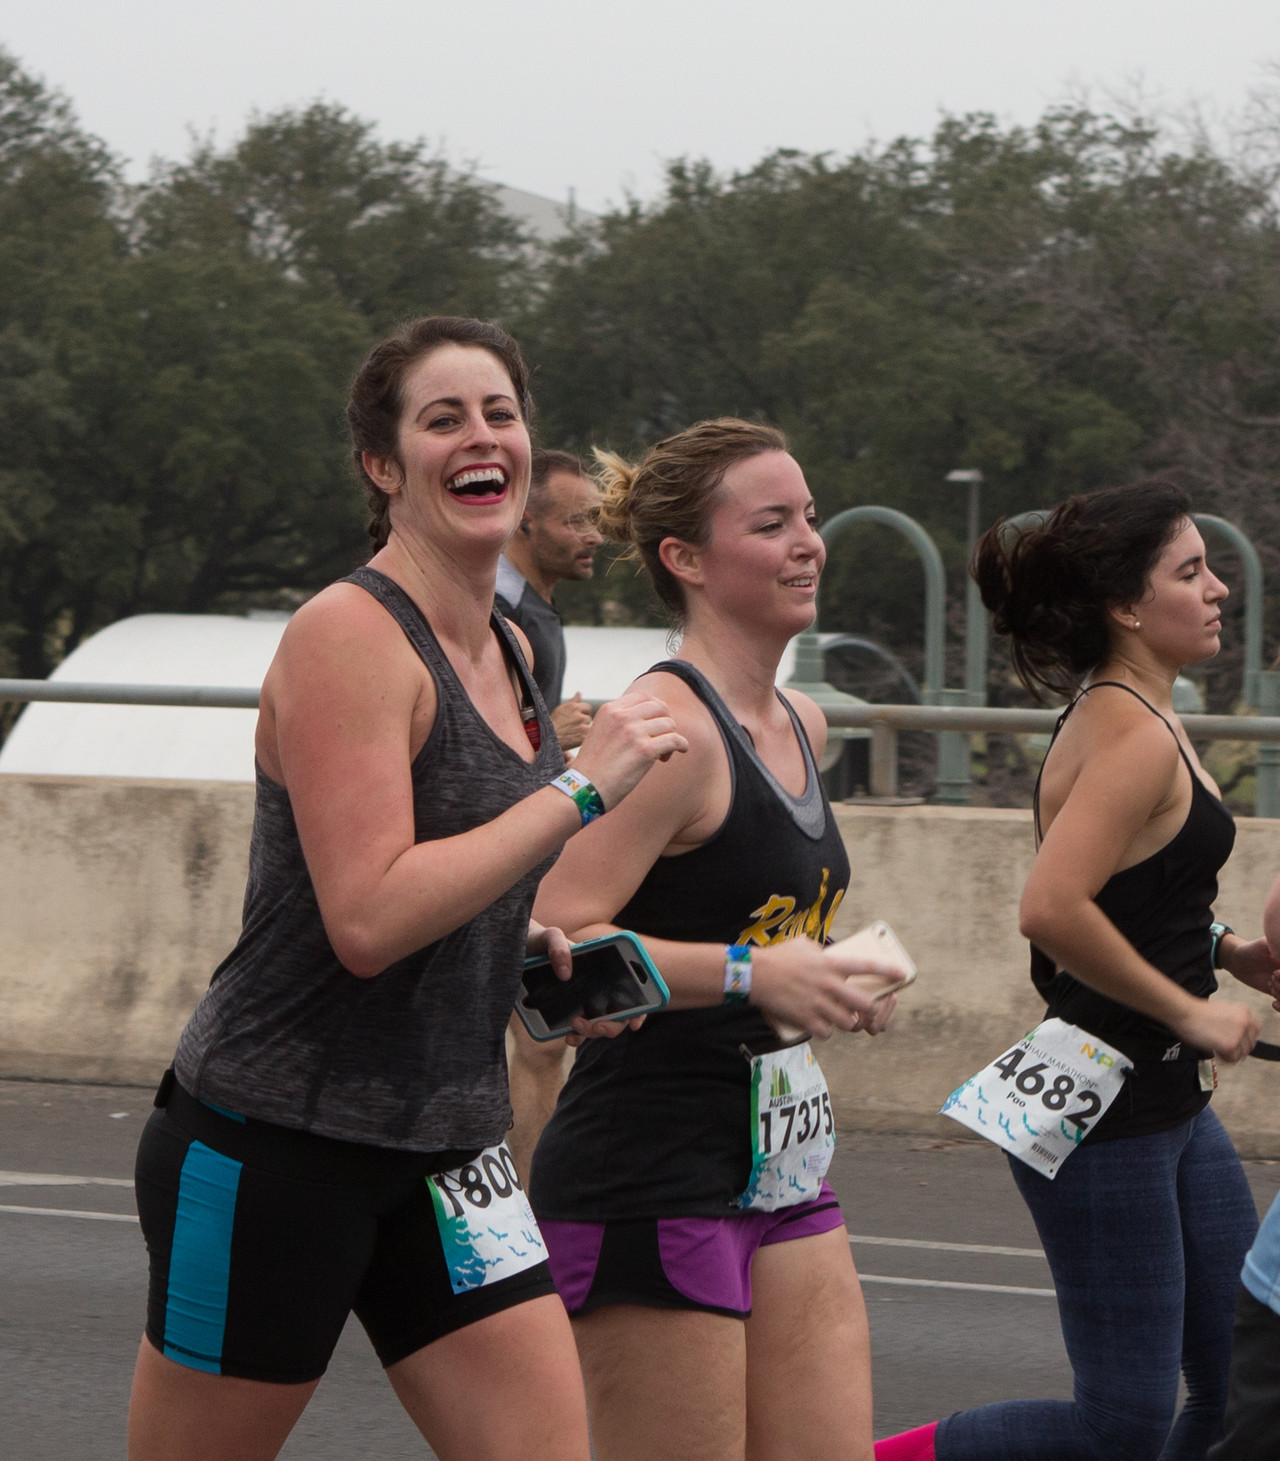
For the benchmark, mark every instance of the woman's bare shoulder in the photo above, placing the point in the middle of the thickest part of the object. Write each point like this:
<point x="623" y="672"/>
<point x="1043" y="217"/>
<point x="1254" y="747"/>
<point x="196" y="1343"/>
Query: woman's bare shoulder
<point x="1109" y="716"/>
<point x="337" y="620"/>
<point x="1115" y="748"/>
<point x="344" y="643"/>
<point x="687" y="707"/>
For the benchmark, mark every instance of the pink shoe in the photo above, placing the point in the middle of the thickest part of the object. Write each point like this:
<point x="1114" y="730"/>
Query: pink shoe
<point x="916" y="1445"/>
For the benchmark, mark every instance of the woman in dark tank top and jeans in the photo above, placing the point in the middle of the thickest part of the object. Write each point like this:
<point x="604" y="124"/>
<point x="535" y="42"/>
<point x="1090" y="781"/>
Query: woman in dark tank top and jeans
<point x="1147" y="1222"/>
<point x="330" y="1139"/>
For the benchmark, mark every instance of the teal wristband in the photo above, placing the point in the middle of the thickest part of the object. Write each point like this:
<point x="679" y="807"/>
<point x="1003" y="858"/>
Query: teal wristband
<point x="737" y="973"/>
<point x="581" y="792"/>
<point x="1217" y="932"/>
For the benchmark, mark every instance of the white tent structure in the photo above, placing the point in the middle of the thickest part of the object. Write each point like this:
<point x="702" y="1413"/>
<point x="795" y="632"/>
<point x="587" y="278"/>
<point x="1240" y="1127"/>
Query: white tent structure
<point x="226" y="651"/>
<point x="151" y="740"/>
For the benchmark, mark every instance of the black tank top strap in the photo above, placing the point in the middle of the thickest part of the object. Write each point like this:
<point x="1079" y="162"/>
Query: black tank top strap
<point x="1119" y="685"/>
<point x="807" y="810"/>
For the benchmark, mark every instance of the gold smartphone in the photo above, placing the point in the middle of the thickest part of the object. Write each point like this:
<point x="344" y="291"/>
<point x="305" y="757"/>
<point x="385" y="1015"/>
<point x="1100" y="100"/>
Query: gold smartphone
<point x="876" y="941"/>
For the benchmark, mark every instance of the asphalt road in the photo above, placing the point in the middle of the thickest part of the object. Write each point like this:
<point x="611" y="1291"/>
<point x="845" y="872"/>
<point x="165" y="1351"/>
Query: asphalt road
<point x="960" y="1300"/>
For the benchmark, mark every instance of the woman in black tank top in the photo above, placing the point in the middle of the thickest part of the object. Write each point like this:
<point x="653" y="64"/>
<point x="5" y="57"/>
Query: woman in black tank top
<point x="1147" y="1222"/>
<point x="693" y="1265"/>
<point x="332" y="1128"/>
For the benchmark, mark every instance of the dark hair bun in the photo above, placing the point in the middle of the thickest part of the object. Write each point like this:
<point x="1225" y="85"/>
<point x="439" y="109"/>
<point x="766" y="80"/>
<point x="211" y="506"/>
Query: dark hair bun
<point x="1049" y="587"/>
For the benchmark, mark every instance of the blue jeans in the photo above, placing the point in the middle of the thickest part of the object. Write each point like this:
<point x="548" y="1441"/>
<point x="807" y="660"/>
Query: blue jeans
<point x="1145" y="1237"/>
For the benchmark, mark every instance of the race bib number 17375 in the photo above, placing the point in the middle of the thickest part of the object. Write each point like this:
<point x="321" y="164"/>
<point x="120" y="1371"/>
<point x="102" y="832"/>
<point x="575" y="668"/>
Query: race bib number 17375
<point x="792" y="1129"/>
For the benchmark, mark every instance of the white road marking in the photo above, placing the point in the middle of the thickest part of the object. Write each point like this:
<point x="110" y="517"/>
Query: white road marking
<point x="949" y="1247"/>
<point x="72" y="1212"/>
<point x="47" y="1179"/>
<point x="977" y="1288"/>
<point x="59" y="1179"/>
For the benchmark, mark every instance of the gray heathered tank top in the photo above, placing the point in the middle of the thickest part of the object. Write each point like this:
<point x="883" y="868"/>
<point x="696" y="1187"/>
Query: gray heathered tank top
<point x="413" y="1058"/>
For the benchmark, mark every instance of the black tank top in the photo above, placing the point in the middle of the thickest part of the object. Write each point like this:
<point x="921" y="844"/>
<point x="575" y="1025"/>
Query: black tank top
<point x="1163" y="905"/>
<point x="413" y="1058"/>
<point x="657" y="1123"/>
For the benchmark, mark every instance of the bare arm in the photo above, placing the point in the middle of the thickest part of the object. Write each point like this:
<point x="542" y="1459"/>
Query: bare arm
<point x="1271" y="939"/>
<point x="1271" y="919"/>
<point x="674" y="807"/>
<point x="1251" y="961"/>
<point x="344" y="693"/>
<point x="1126" y="777"/>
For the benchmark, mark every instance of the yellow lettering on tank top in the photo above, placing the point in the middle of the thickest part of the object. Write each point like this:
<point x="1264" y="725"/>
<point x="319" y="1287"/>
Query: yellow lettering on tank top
<point x="778" y="918"/>
<point x="769" y="919"/>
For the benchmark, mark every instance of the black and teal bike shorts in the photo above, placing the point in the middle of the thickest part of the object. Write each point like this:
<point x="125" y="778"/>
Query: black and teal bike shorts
<point x="262" y="1240"/>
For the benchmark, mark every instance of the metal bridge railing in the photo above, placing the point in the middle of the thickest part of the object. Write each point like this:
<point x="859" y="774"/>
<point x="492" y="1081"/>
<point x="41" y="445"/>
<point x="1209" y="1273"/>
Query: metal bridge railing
<point x="214" y="697"/>
<point x="883" y="721"/>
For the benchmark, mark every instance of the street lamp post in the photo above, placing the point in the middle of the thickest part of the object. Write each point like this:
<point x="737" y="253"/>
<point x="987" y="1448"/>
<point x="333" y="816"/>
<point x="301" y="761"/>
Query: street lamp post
<point x="975" y="615"/>
<point x="955" y="748"/>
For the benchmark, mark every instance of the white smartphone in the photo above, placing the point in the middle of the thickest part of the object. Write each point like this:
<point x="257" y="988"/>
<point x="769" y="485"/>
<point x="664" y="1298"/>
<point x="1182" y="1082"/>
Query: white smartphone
<point x="876" y="941"/>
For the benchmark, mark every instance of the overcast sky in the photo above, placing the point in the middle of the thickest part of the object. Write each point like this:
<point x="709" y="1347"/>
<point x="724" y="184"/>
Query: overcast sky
<point x="550" y="95"/>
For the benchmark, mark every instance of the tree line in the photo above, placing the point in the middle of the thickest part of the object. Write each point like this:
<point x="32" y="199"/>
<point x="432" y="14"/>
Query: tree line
<point x="1063" y="306"/>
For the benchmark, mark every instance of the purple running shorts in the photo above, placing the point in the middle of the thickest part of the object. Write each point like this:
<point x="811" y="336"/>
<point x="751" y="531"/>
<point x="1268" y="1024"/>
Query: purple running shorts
<point x="675" y="1263"/>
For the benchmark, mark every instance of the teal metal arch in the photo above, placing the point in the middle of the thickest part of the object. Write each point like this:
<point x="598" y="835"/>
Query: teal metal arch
<point x="935" y="582"/>
<point x="1252" y="565"/>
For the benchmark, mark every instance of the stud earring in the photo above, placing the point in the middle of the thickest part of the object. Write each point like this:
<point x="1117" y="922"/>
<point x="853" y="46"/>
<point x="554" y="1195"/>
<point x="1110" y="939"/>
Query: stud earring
<point x="1137" y="624"/>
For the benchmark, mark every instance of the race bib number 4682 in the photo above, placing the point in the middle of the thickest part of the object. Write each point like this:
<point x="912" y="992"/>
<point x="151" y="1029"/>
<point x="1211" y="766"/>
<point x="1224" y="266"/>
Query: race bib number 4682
<point x="1041" y="1097"/>
<point x="487" y="1228"/>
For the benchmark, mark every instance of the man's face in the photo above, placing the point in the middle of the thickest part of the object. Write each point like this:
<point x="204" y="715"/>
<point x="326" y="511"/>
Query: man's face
<point x="563" y="537"/>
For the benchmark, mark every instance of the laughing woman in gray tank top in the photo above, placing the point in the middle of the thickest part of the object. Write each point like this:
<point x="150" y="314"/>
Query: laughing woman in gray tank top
<point x="330" y="1138"/>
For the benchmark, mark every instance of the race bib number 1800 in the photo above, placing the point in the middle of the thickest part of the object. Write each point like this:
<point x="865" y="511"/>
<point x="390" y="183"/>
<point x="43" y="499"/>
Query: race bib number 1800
<point x="793" y="1134"/>
<point x="1041" y="1098"/>
<point x="487" y="1228"/>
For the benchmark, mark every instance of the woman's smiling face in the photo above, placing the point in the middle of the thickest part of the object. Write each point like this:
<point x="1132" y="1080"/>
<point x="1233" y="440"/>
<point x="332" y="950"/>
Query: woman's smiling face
<point x="763" y="554"/>
<point x="463" y="450"/>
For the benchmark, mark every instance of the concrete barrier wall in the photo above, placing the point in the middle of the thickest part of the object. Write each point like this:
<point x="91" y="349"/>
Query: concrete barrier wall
<point x="119" y="897"/>
<point x="117" y="900"/>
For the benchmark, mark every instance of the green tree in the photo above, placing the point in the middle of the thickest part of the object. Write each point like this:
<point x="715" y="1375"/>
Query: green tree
<point x="1062" y="306"/>
<point x="59" y="244"/>
<point x="386" y="228"/>
<point x="174" y="358"/>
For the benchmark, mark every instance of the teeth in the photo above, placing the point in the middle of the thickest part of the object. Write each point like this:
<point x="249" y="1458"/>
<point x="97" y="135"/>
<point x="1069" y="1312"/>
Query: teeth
<point x="474" y="479"/>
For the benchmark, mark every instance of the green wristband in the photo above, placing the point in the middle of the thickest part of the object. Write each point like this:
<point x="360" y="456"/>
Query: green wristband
<point x="1217" y="932"/>
<point x="737" y="973"/>
<point x="580" y="791"/>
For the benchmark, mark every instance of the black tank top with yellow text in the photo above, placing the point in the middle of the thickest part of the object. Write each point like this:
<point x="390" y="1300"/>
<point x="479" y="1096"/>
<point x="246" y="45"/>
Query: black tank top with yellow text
<point x="657" y="1123"/>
